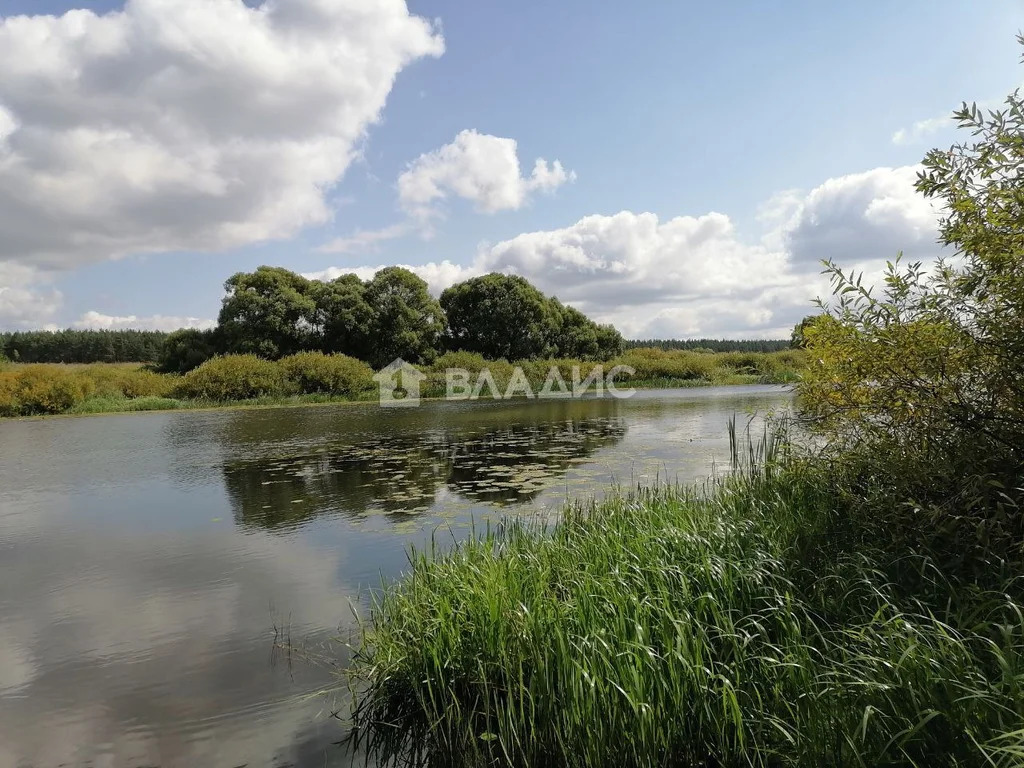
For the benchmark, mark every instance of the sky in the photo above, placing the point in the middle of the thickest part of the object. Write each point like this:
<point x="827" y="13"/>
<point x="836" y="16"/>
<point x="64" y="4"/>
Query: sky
<point x="678" y="169"/>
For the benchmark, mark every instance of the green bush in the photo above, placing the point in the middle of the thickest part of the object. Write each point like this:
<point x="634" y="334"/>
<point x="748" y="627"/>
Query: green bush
<point x="470" y="361"/>
<point x="315" y="372"/>
<point x="233" y="377"/>
<point x="49" y="389"/>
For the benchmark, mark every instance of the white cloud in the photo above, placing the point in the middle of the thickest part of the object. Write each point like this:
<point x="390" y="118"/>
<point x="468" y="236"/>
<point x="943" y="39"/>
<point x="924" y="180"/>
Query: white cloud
<point x="863" y="216"/>
<point x="920" y="130"/>
<point x="26" y="301"/>
<point x="478" y="167"/>
<point x="98" y="321"/>
<point x="366" y="240"/>
<point x="693" y="276"/>
<point x="187" y="124"/>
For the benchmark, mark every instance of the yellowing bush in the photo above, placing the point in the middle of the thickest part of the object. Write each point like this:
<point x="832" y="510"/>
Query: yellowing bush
<point x="119" y="380"/>
<point x="50" y="389"/>
<point x="469" y="361"/>
<point x="676" y="364"/>
<point x="9" y="403"/>
<point x="313" y="372"/>
<point x="233" y="377"/>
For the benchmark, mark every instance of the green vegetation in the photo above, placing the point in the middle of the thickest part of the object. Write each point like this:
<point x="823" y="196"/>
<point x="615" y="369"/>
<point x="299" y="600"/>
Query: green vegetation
<point x="858" y="603"/>
<point x="308" y="377"/>
<point x="72" y="346"/>
<point x="670" y="627"/>
<point x="504" y="317"/>
<point x="711" y="345"/>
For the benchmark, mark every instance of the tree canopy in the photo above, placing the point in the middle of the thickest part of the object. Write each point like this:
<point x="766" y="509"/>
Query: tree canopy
<point x="504" y="316"/>
<point x="270" y="312"/>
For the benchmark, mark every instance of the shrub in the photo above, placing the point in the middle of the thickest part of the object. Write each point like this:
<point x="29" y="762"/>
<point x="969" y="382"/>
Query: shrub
<point x="742" y="362"/>
<point x="116" y="380"/>
<point x="233" y="377"/>
<point x="315" y="372"/>
<point x="918" y="384"/>
<point x="9" y="403"/>
<point x="50" y="389"/>
<point x="661" y="364"/>
<point x="470" y="361"/>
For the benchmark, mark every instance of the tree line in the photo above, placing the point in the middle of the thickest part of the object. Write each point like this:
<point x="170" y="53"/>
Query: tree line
<point x="73" y="346"/>
<point x="273" y="312"/>
<point x="712" y="345"/>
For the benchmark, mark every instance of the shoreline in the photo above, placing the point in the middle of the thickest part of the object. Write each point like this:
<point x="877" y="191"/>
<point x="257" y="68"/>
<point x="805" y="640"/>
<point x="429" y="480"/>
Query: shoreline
<point x="298" y="401"/>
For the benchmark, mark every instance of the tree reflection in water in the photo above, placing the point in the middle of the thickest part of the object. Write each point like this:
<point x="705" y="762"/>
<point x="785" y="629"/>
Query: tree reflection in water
<point x="401" y="474"/>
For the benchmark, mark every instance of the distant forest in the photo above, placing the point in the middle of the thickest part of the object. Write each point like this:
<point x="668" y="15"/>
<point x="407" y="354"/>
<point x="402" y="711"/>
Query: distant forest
<point x="714" y="345"/>
<point x="71" y="346"/>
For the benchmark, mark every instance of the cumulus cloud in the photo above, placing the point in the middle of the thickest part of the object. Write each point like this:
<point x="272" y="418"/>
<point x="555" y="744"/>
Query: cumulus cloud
<point x="695" y="276"/>
<point x="863" y="216"/>
<point x="98" y="321"/>
<point x="26" y="301"/>
<point x="478" y="167"/>
<point x="187" y="124"/>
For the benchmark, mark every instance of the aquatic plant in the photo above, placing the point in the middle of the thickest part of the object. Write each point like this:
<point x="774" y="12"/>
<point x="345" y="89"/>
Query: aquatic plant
<point x="729" y="625"/>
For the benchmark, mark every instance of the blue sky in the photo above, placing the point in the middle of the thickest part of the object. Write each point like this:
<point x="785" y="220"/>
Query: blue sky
<point x="659" y="110"/>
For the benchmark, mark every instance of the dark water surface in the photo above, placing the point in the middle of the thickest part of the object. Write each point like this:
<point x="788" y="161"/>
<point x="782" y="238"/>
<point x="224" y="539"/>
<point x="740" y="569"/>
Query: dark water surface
<point x="149" y="561"/>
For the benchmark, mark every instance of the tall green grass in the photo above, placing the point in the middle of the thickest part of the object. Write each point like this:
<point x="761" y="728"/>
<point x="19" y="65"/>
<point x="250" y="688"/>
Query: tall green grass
<point x="727" y="625"/>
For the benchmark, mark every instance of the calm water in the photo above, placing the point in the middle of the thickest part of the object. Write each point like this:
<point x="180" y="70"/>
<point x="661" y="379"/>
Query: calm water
<point x="149" y="561"/>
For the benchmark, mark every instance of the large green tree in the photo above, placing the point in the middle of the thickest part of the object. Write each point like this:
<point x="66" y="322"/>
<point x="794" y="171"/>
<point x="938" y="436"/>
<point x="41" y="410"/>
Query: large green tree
<point x="270" y="312"/>
<point x="344" y="318"/>
<point x="498" y="316"/>
<point x="407" y="321"/>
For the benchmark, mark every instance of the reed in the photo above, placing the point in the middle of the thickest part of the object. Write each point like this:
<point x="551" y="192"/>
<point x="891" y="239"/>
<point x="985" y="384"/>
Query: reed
<point x="669" y="626"/>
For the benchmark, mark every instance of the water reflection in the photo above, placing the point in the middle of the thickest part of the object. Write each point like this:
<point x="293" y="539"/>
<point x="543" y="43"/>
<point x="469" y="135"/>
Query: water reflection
<point x="111" y="646"/>
<point x="401" y="475"/>
<point x="148" y="557"/>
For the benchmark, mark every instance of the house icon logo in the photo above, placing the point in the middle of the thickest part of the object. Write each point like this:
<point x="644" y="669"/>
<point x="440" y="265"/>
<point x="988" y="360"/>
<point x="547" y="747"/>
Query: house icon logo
<point x="399" y="384"/>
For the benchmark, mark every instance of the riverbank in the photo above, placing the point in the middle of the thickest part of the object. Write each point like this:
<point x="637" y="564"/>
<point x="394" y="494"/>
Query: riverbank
<point x="45" y="390"/>
<point x="749" y="625"/>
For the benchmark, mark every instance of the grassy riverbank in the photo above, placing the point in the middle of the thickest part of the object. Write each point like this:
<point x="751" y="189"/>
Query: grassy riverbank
<point x="244" y="381"/>
<point x="749" y="625"/>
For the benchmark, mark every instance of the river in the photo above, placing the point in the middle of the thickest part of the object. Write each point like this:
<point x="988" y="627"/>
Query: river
<point x="155" y="565"/>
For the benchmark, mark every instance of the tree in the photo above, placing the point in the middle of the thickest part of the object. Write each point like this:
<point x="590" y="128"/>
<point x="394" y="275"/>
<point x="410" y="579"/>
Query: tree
<point x="407" y="321"/>
<point x="497" y="316"/>
<point x="343" y="316"/>
<point x="187" y="349"/>
<point x="271" y="312"/>
<point x="573" y="333"/>
<point x="609" y="342"/>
